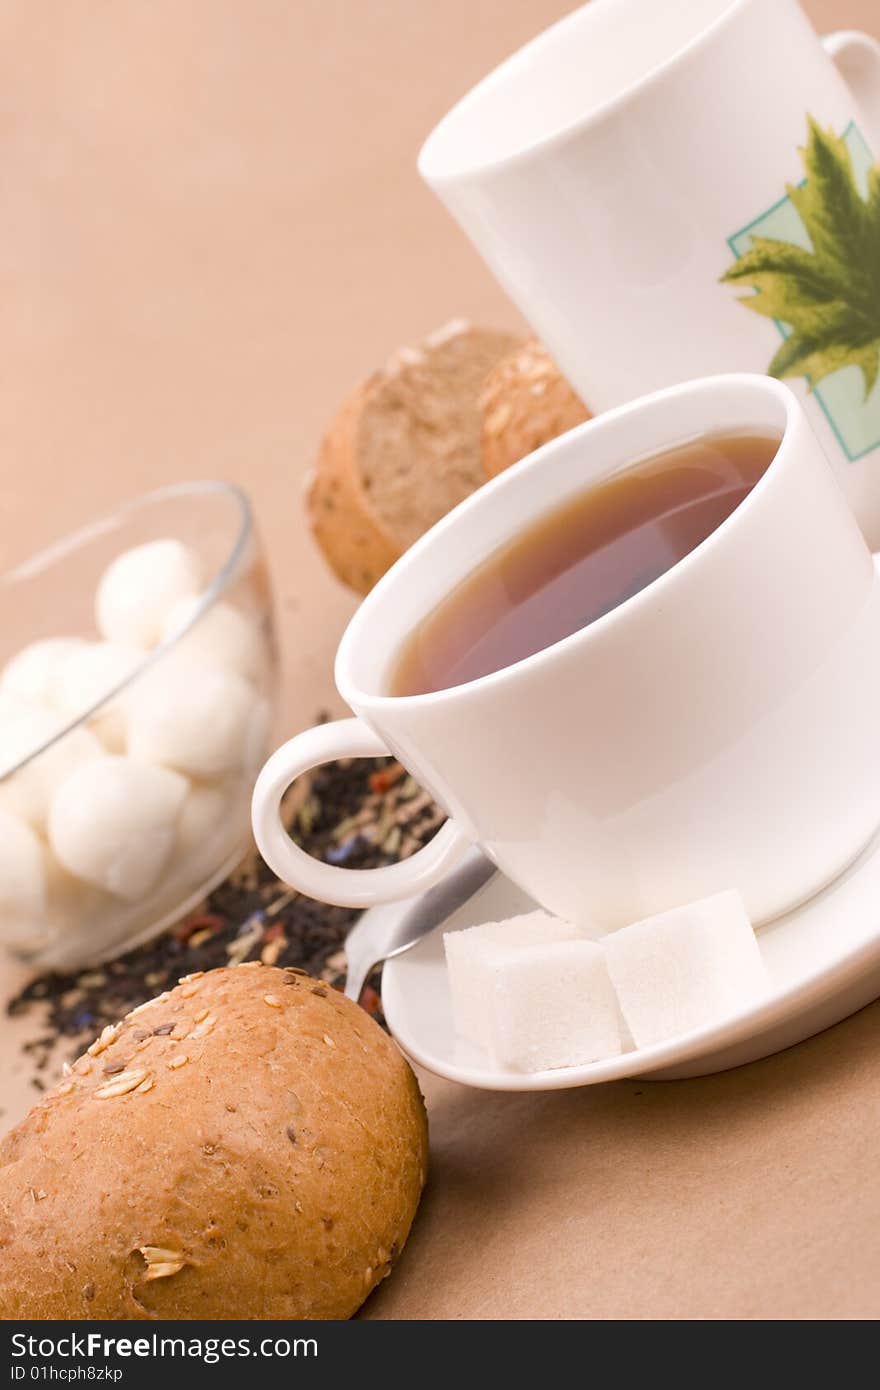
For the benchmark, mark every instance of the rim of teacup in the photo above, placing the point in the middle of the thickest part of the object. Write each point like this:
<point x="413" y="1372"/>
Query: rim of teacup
<point x="436" y="169"/>
<point x="379" y="605"/>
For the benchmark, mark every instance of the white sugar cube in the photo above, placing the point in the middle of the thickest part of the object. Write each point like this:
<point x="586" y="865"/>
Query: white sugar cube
<point x="138" y="590"/>
<point x="471" y="955"/>
<point x="686" y="968"/>
<point x="551" y="1005"/>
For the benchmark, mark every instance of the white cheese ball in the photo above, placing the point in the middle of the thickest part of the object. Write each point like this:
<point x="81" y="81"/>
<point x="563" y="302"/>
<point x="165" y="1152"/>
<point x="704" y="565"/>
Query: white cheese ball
<point x="203" y="813"/>
<point x="30" y="674"/>
<point x="191" y="717"/>
<point x="113" y="822"/>
<point x="222" y="636"/>
<point x="86" y="676"/>
<point x="23" y="891"/>
<point x="256" y="746"/>
<point x="139" y="589"/>
<point x="28" y="791"/>
<point x="10" y="706"/>
<point x="74" y="907"/>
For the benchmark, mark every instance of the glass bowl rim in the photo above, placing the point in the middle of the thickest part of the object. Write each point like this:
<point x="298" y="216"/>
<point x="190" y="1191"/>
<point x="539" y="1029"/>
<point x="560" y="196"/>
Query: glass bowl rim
<point x="74" y="540"/>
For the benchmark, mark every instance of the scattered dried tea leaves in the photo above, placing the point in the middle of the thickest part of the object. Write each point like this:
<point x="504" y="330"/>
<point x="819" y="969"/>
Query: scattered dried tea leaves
<point x="362" y="813"/>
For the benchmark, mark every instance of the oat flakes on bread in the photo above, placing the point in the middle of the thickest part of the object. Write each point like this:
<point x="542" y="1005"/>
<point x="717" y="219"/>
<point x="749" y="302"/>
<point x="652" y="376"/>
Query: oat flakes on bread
<point x="402" y="451"/>
<point x="525" y="402"/>
<point x="250" y="1145"/>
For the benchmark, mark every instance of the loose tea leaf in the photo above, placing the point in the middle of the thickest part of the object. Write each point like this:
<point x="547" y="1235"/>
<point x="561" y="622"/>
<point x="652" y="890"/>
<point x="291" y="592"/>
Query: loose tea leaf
<point x="830" y="296"/>
<point x="364" y="813"/>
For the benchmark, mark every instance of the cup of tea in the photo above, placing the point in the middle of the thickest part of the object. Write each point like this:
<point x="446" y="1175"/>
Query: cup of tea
<point x="640" y="667"/>
<point x="669" y="190"/>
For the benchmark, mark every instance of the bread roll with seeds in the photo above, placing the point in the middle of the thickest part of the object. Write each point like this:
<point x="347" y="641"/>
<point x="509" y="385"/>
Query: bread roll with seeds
<point x="525" y="402"/>
<point x="249" y="1145"/>
<point x="403" y="450"/>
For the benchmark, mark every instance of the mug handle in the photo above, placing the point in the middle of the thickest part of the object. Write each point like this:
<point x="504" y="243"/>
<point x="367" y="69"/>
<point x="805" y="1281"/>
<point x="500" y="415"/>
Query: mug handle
<point x="857" y="58"/>
<point x="345" y="738"/>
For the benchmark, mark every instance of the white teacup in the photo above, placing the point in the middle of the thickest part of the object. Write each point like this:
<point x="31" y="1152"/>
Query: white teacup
<point x="616" y="168"/>
<point x="719" y="729"/>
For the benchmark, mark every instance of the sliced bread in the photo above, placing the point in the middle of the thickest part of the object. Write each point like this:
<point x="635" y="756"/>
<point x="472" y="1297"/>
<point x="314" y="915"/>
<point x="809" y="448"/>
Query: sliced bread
<point x="404" y="449"/>
<point x="525" y="402"/>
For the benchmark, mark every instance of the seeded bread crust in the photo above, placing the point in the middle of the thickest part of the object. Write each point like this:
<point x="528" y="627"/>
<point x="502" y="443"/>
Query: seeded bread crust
<point x="358" y="548"/>
<point x="525" y="402"/>
<point x="249" y="1145"/>
<point x="402" y="451"/>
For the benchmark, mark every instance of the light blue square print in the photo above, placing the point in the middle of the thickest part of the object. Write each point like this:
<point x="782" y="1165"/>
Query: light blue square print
<point x="854" y="420"/>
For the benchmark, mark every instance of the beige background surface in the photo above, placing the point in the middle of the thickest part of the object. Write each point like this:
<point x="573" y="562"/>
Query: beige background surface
<point x="210" y="227"/>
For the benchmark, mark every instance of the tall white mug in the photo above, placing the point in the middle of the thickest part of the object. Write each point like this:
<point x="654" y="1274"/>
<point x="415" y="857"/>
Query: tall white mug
<point x="668" y="188"/>
<point x="717" y="730"/>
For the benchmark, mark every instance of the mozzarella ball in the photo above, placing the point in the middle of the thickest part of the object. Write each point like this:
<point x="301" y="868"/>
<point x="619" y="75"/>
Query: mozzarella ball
<point x="73" y="907"/>
<point x="23" y="892"/>
<point x="113" y="821"/>
<point x="10" y="707"/>
<point x="256" y="744"/>
<point x="28" y="791"/>
<point x="205" y="811"/>
<point x="139" y="589"/>
<point x="23" y="731"/>
<point x="190" y="717"/>
<point x="222" y="636"/>
<point x="86" y="676"/>
<point x="30" y="675"/>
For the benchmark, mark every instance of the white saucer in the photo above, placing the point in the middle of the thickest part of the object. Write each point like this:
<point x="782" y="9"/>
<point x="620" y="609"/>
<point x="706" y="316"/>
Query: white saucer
<point x="823" y="960"/>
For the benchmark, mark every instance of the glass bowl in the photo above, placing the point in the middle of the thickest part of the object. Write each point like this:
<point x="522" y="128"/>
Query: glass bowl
<point x="126" y="774"/>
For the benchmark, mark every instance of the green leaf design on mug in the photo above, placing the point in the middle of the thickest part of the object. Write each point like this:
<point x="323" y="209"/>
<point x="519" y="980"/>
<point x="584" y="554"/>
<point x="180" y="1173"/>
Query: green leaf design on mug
<point x="829" y="297"/>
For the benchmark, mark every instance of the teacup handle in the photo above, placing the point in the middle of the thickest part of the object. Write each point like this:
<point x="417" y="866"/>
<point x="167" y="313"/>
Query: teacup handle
<point x="857" y="58"/>
<point x="346" y="738"/>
